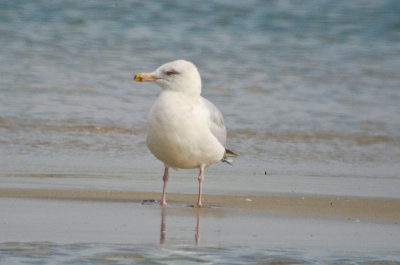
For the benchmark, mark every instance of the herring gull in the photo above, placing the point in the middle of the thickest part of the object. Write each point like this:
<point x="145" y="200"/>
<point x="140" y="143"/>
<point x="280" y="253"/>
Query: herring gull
<point x="185" y="130"/>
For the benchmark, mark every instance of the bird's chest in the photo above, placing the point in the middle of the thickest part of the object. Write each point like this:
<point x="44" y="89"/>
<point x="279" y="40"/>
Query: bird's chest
<point x="176" y="118"/>
<point x="179" y="134"/>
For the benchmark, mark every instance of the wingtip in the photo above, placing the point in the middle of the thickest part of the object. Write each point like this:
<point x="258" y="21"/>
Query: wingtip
<point x="230" y="153"/>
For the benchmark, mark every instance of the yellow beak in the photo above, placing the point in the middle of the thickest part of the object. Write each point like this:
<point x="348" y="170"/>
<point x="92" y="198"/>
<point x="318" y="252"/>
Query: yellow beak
<point x="143" y="77"/>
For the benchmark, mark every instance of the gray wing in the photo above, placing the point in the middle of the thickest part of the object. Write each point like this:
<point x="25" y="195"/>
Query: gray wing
<point x="217" y="124"/>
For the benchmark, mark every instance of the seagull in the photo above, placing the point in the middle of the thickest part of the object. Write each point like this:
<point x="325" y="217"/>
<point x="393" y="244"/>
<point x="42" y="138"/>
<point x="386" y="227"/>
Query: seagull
<point x="184" y="130"/>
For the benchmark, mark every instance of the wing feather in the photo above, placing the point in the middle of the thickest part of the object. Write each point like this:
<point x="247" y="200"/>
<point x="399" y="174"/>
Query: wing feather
<point x="218" y="129"/>
<point x="217" y="124"/>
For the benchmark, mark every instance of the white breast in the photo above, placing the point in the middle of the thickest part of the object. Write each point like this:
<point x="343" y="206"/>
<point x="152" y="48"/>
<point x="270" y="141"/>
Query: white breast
<point x="179" y="132"/>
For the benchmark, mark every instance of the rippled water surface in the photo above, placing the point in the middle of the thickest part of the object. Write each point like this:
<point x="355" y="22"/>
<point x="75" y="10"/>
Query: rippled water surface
<point x="48" y="253"/>
<point x="306" y="88"/>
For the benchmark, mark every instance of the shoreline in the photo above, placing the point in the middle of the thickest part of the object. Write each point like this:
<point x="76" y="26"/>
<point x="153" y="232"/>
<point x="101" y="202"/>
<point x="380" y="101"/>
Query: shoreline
<point x="350" y="208"/>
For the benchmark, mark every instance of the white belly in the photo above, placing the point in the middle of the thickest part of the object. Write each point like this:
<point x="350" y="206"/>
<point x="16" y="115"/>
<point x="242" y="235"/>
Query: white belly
<point x="179" y="135"/>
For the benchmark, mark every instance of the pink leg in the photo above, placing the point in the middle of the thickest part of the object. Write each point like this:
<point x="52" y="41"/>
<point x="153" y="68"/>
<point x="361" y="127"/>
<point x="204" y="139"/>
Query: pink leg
<point x="165" y="179"/>
<point x="200" y="178"/>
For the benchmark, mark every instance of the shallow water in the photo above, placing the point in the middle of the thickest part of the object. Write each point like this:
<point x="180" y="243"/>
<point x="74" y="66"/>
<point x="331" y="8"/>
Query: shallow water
<point x="90" y="232"/>
<point x="50" y="253"/>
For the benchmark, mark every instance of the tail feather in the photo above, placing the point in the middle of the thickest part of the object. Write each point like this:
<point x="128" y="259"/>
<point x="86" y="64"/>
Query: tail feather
<point x="228" y="153"/>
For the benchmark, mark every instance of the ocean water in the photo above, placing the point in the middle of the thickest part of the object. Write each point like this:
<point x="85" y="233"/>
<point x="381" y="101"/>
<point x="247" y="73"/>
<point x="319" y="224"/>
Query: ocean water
<point x="310" y="92"/>
<point x="91" y="253"/>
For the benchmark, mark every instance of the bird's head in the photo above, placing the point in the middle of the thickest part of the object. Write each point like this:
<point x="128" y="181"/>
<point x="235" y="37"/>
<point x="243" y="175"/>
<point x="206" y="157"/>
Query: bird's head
<point x="179" y="75"/>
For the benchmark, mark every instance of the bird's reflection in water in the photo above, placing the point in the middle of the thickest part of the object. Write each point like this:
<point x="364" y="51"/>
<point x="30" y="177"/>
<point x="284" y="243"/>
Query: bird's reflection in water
<point x="197" y="236"/>
<point x="163" y="229"/>
<point x="163" y="226"/>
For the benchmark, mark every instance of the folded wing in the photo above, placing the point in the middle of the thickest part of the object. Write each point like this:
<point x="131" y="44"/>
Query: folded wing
<point x="218" y="129"/>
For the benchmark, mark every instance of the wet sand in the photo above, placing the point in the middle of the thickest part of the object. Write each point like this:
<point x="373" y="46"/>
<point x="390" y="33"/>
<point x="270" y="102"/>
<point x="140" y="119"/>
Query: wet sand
<point x="381" y="209"/>
<point x="93" y="226"/>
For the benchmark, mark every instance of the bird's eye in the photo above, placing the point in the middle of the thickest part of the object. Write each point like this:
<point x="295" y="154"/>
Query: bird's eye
<point x="171" y="73"/>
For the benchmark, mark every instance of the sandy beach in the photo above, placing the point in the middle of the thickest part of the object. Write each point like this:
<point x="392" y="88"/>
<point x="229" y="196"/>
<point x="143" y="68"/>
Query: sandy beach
<point x="380" y="209"/>
<point x="95" y="226"/>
